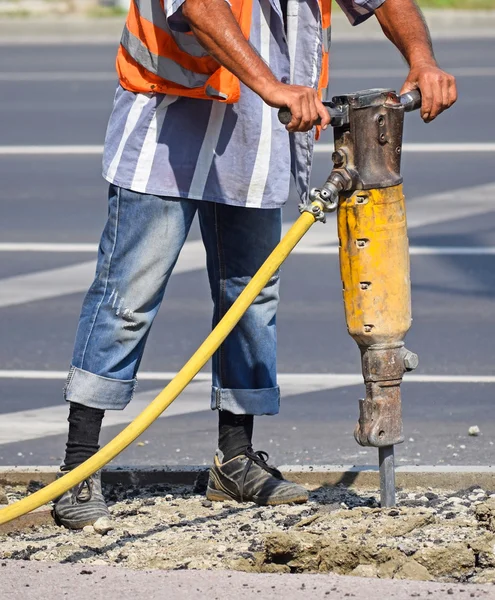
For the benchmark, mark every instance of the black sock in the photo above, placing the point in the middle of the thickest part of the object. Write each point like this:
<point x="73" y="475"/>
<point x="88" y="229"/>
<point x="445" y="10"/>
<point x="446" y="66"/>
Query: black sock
<point x="84" y="433"/>
<point x="235" y="433"/>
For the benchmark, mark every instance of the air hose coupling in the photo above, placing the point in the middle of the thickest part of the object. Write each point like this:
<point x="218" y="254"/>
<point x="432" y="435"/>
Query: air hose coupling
<point x="326" y="199"/>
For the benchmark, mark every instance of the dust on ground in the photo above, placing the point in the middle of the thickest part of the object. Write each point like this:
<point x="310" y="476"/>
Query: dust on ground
<point x="430" y="535"/>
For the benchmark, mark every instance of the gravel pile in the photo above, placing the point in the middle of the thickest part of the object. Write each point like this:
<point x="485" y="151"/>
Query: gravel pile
<point x="431" y="535"/>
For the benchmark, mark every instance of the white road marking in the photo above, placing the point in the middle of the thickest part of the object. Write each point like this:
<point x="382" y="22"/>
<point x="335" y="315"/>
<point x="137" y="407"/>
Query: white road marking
<point x="52" y="420"/>
<point x="96" y="76"/>
<point x="427" y="210"/>
<point x="378" y="73"/>
<point x="51" y="150"/>
<point x="413" y="250"/>
<point x="441" y="148"/>
<point x="77" y="278"/>
<point x="42" y="247"/>
<point x="45" y="76"/>
<point x="319" y="149"/>
<point x="309" y="380"/>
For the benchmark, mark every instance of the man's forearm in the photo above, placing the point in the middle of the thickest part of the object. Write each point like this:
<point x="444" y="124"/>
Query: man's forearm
<point x="404" y="25"/>
<point x="216" y="29"/>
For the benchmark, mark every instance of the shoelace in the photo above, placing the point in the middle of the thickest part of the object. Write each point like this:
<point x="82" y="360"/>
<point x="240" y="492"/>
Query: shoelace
<point x="77" y="491"/>
<point x="260" y="458"/>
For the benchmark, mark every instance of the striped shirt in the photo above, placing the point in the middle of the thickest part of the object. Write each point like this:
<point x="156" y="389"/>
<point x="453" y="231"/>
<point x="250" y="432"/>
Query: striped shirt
<point x="237" y="154"/>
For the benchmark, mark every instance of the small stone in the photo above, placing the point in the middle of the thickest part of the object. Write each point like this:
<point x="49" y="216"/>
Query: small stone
<point x="364" y="571"/>
<point x="169" y="497"/>
<point x="207" y="503"/>
<point x="413" y="570"/>
<point x="462" y="447"/>
<point x="474" y="430"/>
<point x="89" y="529"/>
<point x="103" y="525"/>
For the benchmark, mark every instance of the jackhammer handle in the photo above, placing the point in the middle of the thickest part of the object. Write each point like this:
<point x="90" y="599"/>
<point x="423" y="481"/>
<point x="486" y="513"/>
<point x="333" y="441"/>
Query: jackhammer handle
<point x="285" y="116"/>
<point x="411" y="100"/>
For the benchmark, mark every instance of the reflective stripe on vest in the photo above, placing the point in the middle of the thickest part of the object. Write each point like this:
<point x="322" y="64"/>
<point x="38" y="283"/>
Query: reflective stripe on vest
<point x="326" y="23"/>
<point x="162" y="66"/>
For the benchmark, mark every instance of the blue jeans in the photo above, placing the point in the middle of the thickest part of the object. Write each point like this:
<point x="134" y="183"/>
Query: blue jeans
<point x="141" y="242"/>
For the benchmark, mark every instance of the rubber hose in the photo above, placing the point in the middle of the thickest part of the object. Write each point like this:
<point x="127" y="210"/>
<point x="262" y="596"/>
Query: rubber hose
<point x="175" y="387"/>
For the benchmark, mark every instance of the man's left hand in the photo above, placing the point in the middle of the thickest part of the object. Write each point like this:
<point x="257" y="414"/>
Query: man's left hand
<point x="438" y="89"/>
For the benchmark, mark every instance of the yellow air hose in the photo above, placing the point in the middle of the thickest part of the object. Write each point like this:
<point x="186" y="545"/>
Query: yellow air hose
<point x="178" y="383"/>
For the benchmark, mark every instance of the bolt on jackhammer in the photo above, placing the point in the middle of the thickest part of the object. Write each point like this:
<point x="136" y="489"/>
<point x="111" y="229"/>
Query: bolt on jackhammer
<point x="365" y="186"/>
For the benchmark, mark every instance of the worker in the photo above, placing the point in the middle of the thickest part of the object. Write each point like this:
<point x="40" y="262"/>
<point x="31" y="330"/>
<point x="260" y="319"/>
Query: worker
<point x="194" y="129"/>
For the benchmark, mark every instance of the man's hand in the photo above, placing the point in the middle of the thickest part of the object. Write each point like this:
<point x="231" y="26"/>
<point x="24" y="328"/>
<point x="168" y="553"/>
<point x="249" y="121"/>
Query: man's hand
<point x="305" y="106"/>
<point x="403" y="23"/>
<point x="438" y="89"/>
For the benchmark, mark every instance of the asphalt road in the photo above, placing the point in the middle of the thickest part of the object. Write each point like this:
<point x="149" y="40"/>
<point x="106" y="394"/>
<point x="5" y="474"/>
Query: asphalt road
<point x="61" y="198"/>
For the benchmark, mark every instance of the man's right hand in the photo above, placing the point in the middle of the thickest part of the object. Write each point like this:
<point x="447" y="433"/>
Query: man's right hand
<point x="304" y="104"/>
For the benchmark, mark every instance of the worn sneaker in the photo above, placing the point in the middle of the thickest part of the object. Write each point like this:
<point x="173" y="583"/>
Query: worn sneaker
<point x="83" y="505"/>
<point x="248" y="478"/>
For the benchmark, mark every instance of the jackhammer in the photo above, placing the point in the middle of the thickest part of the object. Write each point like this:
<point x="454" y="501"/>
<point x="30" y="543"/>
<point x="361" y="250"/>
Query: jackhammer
<point x="365" y="186"/>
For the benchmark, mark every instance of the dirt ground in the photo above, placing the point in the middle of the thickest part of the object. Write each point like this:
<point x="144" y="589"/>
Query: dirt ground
<point x="432" y="535"/>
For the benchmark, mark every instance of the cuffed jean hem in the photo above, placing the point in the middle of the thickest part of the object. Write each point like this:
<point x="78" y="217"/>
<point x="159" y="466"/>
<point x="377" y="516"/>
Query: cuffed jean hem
<point x="96" y="391"/>
<point x="265" y="401"/>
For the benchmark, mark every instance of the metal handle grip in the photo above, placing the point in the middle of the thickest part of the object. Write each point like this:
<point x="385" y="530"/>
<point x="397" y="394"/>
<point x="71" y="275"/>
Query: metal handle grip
<point x="284" y="115"/>
<point x="411" y="100"/>
<point x="336" y="115"/>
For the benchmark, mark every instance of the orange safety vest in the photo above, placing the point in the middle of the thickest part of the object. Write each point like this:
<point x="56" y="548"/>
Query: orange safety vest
<point x="153" y="59"/>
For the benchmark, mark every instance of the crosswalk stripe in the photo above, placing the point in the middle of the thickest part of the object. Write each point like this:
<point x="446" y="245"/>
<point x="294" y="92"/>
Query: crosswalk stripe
<point x="322" y="148"/>
<point x="427" y="210"/>
<point x="52" y="283"/>
<point x="306" y="380"/>
<point x="97" y="76"/>
<point x="92" y="249"/>
<point x="52" y="420"/>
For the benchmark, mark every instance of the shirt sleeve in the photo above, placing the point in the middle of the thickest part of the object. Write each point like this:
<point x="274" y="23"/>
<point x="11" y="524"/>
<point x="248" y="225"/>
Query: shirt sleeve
<point x="357" y="11"/>
<point x="175" y="18"/>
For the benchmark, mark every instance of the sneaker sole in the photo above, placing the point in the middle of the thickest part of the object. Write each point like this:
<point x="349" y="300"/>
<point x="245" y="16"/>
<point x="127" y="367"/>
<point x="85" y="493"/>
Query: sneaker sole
<point x="76" y="524"/>
<point x="218" y="496"/>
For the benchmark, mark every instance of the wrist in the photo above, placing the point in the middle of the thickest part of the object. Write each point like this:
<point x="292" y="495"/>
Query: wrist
<point x="422" y="61"/>
<point x="267" y="87"/>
